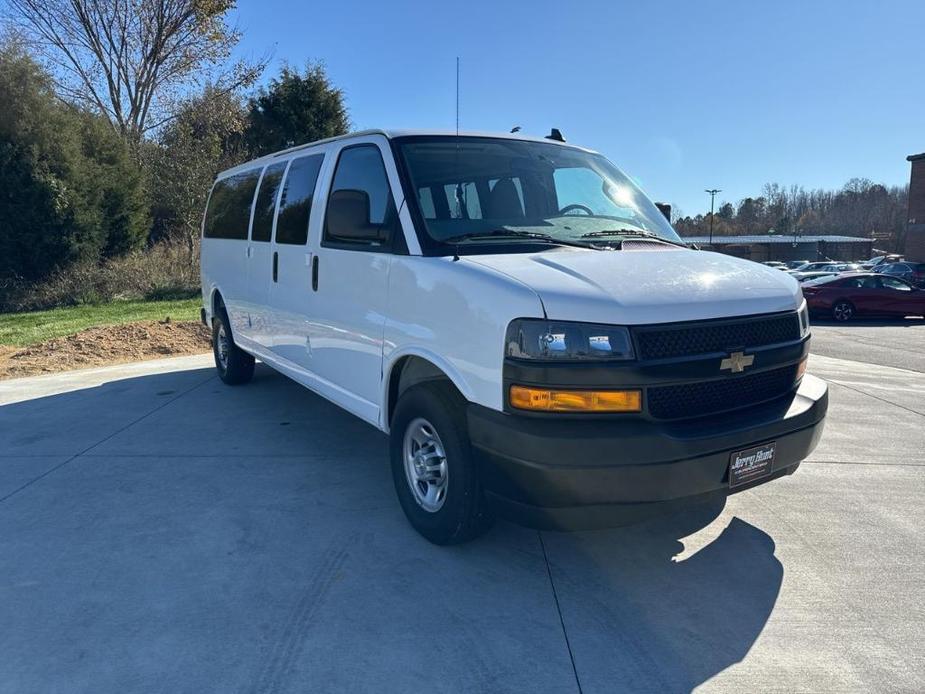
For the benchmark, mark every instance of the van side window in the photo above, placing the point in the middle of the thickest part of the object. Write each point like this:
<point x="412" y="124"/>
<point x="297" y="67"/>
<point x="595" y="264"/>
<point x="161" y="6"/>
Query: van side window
<point x="360" y="210"/>
<point x="262" y="227"/>
<point x="229" y="213"/>
<point x="296" y="203"/>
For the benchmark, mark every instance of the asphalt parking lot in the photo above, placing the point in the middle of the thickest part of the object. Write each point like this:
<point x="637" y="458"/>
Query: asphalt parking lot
<point x="162" y="532"/>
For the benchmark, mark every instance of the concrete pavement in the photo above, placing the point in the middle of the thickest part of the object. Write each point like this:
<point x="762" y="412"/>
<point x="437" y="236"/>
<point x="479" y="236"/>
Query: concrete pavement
<point x="161" y="531"/>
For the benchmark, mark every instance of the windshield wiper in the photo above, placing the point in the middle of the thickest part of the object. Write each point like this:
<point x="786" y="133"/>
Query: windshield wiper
<point x="512" y="233"/>
<point x="619" y="232"/>
<point x="629" y="233"/>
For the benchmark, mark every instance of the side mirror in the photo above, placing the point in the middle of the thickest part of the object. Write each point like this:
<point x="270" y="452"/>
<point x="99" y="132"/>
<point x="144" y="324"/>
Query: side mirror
<point x="347" y="218"/>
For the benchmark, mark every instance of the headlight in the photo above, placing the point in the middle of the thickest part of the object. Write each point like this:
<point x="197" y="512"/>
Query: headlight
<point x="554" y="340"/>
<point x="804" y="320"/>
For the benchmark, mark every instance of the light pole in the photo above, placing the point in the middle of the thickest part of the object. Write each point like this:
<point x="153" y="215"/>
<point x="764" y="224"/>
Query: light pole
<point x="712" y="192"/>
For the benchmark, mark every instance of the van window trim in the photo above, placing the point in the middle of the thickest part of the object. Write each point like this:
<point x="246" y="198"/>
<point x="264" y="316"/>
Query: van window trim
<point x="319" y="183"/>
<point x="397" y="244"/>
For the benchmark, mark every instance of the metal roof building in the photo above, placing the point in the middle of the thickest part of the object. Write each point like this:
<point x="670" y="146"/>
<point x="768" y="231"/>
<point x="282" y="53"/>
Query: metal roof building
<point x="761" y="247"/>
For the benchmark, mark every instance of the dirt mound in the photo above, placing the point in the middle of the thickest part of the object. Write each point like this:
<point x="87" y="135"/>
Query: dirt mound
<point x="108" y="344"/>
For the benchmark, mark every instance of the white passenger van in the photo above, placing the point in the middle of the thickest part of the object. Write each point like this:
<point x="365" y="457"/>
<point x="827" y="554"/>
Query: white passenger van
<point x="519" y="318"/>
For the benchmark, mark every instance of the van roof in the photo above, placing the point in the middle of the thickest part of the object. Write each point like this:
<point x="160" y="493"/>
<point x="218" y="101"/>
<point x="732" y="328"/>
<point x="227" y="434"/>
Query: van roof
<point x="390" y="134"/>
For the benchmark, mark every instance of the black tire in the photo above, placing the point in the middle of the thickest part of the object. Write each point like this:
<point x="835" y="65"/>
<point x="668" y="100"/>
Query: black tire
<point x="237" y="367"/>
<point x="463" y="514"/>
<point x="843" y="311"/>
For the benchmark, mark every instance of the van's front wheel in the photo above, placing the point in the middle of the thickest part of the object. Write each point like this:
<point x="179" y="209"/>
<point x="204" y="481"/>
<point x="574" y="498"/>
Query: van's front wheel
<point x="234" y="365"/>
<point x="435" y="475"/>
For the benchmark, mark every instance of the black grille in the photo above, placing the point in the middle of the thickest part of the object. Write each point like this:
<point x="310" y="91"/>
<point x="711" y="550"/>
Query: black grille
<point x="707" y="397"/>
<point x="704" y="338"/>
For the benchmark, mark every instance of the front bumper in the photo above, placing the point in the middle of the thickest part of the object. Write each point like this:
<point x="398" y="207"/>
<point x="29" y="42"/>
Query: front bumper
<point x="584" y="473"/>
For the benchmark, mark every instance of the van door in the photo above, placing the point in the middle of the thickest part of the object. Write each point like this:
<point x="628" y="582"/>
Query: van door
<point x="260" y="260"/>
<point x="225" y="244"/>
<point x="290" y="287"/>
<point x="351" y="277"/>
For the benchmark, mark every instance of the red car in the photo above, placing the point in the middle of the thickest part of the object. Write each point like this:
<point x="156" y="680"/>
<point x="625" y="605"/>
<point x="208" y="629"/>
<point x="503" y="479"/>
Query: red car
<point x="870" y="294"/>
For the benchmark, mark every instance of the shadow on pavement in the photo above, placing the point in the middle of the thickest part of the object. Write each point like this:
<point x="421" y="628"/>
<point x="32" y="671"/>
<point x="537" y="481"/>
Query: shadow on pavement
<point x="641" y="619"/>
<point x="225" y="539"/>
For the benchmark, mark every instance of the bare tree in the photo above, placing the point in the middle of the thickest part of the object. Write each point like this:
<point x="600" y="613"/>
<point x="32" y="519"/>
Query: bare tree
<point x="133" y="59"/>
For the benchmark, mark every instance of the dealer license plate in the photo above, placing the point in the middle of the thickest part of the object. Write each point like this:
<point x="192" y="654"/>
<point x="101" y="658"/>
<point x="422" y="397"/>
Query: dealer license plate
<point x="751" y="464"/>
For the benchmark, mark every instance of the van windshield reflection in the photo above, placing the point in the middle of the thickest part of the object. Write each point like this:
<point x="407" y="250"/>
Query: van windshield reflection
<point x="506" y="190"/>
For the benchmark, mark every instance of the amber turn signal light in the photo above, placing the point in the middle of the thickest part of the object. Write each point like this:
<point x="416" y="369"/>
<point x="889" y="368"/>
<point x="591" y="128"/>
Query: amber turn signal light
<point x="546" y="400"/>
<point x="801" y="368"/>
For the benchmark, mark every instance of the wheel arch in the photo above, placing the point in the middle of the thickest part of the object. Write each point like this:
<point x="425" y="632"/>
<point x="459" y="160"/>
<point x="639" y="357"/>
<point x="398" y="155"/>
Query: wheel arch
<point x="410" y="368"/>
<point x="216" y="301"/>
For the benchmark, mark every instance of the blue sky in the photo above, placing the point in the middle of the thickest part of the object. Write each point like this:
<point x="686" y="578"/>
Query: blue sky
<point x="681" y="95"/>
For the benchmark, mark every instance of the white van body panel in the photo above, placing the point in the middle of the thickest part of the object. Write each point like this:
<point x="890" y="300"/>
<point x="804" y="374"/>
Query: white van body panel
<point x="290" y="298"/>
<point x="454" y="313"/>
<point x="647" y="286"/>
<point x="224" y="268"/>
<point x="346" y="316"/>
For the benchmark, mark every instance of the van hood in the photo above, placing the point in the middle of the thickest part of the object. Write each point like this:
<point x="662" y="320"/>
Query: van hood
<point x="647" y="286"/>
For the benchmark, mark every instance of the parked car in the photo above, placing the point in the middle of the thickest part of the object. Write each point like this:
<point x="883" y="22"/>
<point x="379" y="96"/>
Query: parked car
<point x="880" y="260"/>
<point x="794" y="264"/>
<point x="913" y="273"/>
<point x="776" y="264"/>
<point x="841" y="267"/>
<point x="810" y="267"/>
<point x="802" y="277"/>
<point x="863" y="294"/>
<point x="518" y="317"/>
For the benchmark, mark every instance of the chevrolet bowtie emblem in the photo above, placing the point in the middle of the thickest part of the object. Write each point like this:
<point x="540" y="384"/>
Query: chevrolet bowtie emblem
<point x="736" y="362"/>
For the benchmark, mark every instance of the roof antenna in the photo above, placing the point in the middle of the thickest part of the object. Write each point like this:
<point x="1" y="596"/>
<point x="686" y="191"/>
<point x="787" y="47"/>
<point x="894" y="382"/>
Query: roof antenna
<point x="554" y="134"/>
<point x="457" y="96"/>
<point x="456" y="245"/>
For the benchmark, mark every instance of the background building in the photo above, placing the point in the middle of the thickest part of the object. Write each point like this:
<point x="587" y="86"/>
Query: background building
<point x="787" y="247"/>
<point x="915" y="230"/>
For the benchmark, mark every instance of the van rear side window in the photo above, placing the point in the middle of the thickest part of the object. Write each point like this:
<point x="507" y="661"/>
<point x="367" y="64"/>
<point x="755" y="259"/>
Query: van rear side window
<point x="262" y="227"/>
<point x="229" y="213"/>
<point x="296" y="203"/>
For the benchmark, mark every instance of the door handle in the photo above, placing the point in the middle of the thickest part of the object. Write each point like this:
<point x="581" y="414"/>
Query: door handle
<point x="315" y="273"/>
<point x="275" y="266"/>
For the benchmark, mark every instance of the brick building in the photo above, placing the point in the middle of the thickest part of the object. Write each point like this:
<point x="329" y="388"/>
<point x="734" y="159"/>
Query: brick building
<point x="915" y="231"/>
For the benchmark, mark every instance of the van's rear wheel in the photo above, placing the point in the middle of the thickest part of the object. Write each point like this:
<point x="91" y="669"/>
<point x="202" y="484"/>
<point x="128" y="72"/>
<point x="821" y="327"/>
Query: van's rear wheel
<point x="234" y="365"/>
<point x="435" y="474"/>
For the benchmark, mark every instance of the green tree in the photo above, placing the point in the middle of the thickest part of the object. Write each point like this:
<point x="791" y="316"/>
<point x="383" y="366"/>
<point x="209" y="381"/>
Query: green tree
<point x="69" y="188"/>
<point x="295" y="108"/>
<point x="726" y="211"/>
<point x="205" y="138"/>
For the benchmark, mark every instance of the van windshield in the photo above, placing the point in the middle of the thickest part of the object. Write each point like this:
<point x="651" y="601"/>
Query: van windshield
<point x="503" y="191"/>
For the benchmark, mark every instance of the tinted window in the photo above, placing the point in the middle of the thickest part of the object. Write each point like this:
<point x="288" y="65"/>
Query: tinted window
<point x="361" y="178"/>
<point x="262" y="226"/>
<point x="229" y="211"/>
<point x="296" y="203"/>
<point x="893" y="283"/>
